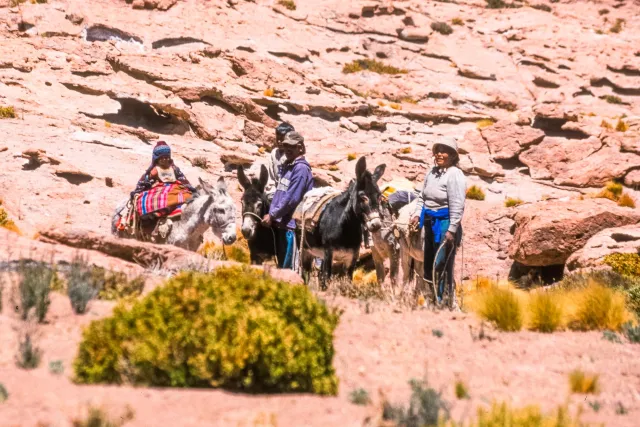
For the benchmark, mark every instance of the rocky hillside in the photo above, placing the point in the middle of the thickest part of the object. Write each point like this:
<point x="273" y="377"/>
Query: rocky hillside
<point x="543" y="99"/>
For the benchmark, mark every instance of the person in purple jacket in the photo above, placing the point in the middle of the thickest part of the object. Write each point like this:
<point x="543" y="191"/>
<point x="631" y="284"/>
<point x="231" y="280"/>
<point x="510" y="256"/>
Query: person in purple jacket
<point x="295" y="180"/>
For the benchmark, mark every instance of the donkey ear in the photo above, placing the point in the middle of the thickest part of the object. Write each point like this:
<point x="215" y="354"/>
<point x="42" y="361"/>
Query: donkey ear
<point x="361" y="168"/>
<point x="205" y="186"/>
<point x="242" y="178"/>
<point x="264" y="177"/>
<point x="377" y="174"/>
<point x="221" y="185"/>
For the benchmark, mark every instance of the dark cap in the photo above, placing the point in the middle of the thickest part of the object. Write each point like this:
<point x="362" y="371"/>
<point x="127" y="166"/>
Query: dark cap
<point x="293" y="138"/>
<point x="284" y="128"/>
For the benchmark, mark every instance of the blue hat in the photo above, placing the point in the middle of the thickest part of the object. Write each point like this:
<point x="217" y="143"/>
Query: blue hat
<point x="161" y="149"/>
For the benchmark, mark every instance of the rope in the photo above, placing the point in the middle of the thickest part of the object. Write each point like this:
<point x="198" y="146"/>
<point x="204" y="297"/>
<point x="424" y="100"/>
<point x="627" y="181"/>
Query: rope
<point x="273" y="233"/>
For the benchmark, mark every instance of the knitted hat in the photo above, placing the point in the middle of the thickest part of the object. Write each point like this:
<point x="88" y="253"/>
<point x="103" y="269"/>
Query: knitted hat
<point x="161" y="149"/>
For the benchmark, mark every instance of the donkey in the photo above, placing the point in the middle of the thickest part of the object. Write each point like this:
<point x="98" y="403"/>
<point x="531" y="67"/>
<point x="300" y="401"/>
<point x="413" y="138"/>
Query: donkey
<point x="212" y="206"/>
<point x="386" y="245"/>
<point x="339" y="230"/>
<point x="255" y="205"/>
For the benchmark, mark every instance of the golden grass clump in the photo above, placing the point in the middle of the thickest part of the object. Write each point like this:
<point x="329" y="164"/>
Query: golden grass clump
<point x="373" y="66"/>
<point x="512" y="202"/>
<point x="364" y="278"/>
<point x="6" y="222"/>
<point x="269" y="92"/>
<point x="503" y="415"/>
<point x="461" y="390"/>
<point x="626" y="201"/>
<point x="405" y="150"/>
<point x="545" y="310"/>
<point x="289" y="4"/>
<point x="621" y="126"/>
<point x="238" y="252"/>
<point x="334" y="168"/>
<point x="351" y="156"/>
<point x="395" y="106"/>
<point x="484" y="123"/>
<point x="606" y="125"/>
<point x="502" y="307"/>
<point x="612" y="191"/>
<point x="598" y="308"/>
<point x="457" y="21"/>
<point x="7" y="112"/>
<point x="475" y="193"/>
<point x="583" y="383"/>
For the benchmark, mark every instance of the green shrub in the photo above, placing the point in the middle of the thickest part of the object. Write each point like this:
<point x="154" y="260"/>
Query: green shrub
<point x="612" y="99"/>
<point x="546" y="312"/>
<point x="28" y="356"/>
<point x="437" y="333"/>
<point x="426" y="407"/>
<point x="611" y="337"/>
<point x="4" y="394"/>
<point x="81" y="285"/>
<point x="475" y="193"/>
<point x="583" y="383"/>
<point x="633" y="300"/>
<point x="611" y="279"/>
<point x="97" y="417"/>
<point x="442" y="27"/>
<point x="501" y="306"/>
<point x="35" y="286"/>
<point x="624" y="264"/>
<point x="236" y="328"/>
<point x="360" y="397"/>
<point x="595" y="406"/>
<point x="373" y="66"/>
<point x="631" y="332"/>
<point x="113" y="285"/>
<point x="56" y="367"/>
<point x="461" y="390"/>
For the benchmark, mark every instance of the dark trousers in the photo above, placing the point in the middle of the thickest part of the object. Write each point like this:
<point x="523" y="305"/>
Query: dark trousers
<point x="448" y="255"/>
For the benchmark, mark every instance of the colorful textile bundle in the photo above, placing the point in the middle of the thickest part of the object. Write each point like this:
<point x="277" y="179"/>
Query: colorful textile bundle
<point x="162" y="197"/>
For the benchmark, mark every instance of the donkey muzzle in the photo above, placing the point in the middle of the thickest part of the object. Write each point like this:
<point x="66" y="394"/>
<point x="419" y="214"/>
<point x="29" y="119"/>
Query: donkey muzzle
<point x="373" y="222"/>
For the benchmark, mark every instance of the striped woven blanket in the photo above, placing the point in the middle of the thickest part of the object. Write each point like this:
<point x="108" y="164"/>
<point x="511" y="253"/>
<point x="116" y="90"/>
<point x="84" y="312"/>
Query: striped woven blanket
<point x="162" y="197"/>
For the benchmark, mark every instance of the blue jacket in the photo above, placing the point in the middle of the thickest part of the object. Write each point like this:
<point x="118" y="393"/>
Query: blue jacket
<point x="295" y="180"/>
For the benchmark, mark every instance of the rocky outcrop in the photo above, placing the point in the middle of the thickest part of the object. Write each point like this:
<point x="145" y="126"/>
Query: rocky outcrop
<point x="506" y="140"/>
<point x="611" y="240"/>
<point x="548" y="233"/>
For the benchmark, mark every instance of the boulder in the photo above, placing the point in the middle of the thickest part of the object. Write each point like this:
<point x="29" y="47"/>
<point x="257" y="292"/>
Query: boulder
<point x="506" y="140"/>
<point x="476" y="158"/>
<point x="415" y="35"/>
<point x="611" y="240"/>
<point x="548" y="233"/>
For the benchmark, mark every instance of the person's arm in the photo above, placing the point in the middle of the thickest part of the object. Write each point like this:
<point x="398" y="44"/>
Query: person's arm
<point x="183" y="179"/>
<point x="420" y="202"/>
<point x="300" y="179"/>
<point x="143" y="184"/>
<point x="456" y="195"/>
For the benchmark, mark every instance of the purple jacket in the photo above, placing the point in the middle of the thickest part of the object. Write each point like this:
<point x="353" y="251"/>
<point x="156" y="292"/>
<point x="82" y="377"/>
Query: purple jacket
<point x="295" y="181"/>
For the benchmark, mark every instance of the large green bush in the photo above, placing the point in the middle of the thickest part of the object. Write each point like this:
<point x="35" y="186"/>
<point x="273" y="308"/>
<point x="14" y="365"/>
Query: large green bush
<point x="236" y="328"/>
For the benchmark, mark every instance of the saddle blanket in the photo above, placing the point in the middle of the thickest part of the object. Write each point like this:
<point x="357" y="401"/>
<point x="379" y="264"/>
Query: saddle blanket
<point x="162" y="197"/>
<point x="312" y="206"/>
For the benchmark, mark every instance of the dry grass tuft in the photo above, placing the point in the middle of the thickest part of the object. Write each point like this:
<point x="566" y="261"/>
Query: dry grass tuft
<point x="484" y="123"/>
<point x="598" y="308"/>
<point x="617" y="27"/>
<point x="269" y="92"/>
<point x="512" y="202"/>
<point x="502" y="307"/>
<point x="442" y="28"/>
<point x="238" y="252"/>
<point x="606" y="125"/>
<point x="457" y="21"/>
<point x="200" y="162"/>
<point x="612" y="99"/>
<point x="395" y="106"/>
<point x="543" y="7"/>
<point x="373" y="66"/>
<point x="7" y="112"/>
<point x="461" y="390"/>
<point x="289" y="4"/>
<point x="622" y="126"/>
<point x="583" y="383"/>
<point x="545" y="310"/>
<point x="351" y="156"/>
<point x="405" y="150"/>
<point x="475" y="193"/>
<point x="626" y="201"/>
<point x="6" y="222"/>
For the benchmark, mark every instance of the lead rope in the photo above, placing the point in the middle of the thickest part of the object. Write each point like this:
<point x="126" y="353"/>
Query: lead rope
<point x="273" y="233"/>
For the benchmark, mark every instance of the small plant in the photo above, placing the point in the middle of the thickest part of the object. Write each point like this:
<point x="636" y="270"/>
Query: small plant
<point x="511" y="202"/>
<point x="108" y="182"/>
<point x="426" y="407"/>
<point x="98" y="417"/>
<point x="200" y="162"/>
<point x="624" y="264"/>
<point x="484" y="123"/>
<point x="457" y="21"/>
<point x="546" y="312"/>
<point x="633" y="300"/>
<point x="395" y="106"/>
<point x="442" y="28"/>
<point x="289" y="4"/>
<point x="612" y="99"/>
<point x="626" y="201"/>
<point x="405" y="150"/>
<point x="603" y="12"/>
<point x="475" y="193"/>
<point x="28" y="356"/>
<point x="107" y="124"/>
<point x="6" y="222"/>
<point x="599" y="308"/>
<point x="501" y="306"/>
<point x="500" y="4"/>
<point x="7" y="112"/>
<point x="583" y="383"/>
<point x="4" y="394"/>
<point x="606" y="125"/>
<point x="351" y="156"/>
<point x="622" y="126"/>
<point x="373" y="66"/>
<point x="334" y="168"/>
<point x="360" y="397"/>
<point x="35" y="286"/>
<point x="56" y="367"/>
<point x="437" y="333"/>
<point x="617" y="27"/>
<point x="81" y="287"/>
<point x="543" y="7"/>
<point x="269" y="92"/>
<point x="595" y="405"/>
<point x="238" y="252"/>
<point x="502" y="415"/>
<point x="461" y="390"/>
<point x="599" y="32"/>
<point x="620" y="409"/>
<point x="611" y="337"/>
<point x="632" y="333"/>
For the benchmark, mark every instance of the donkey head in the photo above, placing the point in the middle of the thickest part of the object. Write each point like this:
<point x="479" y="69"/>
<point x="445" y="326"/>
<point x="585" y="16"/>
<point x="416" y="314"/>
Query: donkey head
<point x="367" y="195"/>
<point x="220" y="213"/>
<point x="254" y="202"/>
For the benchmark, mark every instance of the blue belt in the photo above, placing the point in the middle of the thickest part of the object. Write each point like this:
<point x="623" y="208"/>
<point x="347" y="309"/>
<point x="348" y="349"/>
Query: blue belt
<point x="439" y="222"/>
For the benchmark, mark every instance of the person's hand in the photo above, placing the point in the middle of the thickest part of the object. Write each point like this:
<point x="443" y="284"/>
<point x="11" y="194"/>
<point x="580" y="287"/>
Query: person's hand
<point x="266" y="221"/>
<point x="415" y="221"/>
<point x="448" y="237"/>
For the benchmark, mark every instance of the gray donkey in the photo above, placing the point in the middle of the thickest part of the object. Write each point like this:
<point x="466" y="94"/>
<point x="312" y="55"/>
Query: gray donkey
<point x="211" y="206"/>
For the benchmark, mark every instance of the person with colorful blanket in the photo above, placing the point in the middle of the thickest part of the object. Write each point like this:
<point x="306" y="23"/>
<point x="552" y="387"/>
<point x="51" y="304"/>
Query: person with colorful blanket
<point x="162" y="169"/>
<point x="295" y="180"/>
<point x="439" y="209"/>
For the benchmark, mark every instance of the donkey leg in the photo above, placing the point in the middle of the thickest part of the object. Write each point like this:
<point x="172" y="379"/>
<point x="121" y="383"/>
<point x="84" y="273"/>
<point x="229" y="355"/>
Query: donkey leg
<point x="326" y="267"/>
<point x="352" y="265"/>
<point x="378" y="260"/>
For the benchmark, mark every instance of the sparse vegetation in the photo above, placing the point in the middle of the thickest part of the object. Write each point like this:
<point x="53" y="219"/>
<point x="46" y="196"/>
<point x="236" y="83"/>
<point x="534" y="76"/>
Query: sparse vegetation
<point x="283" y="343"/>
<point x="543" y="7"/>
<point x="626" y="201"/>
<point x="360" y="397"/>
<point x="442" y="28"/>
<point x="620" y="409"/>
<point x="502" y="415"/>
<point x="603" y="11"/>
<point x="333" y="168"/>
<point x="4" y="394"/>
<point x="631" y="332"/>
<point x="625" y="264"/>
<point x="200" y="162"/>
<point x="461" y="390"/>
<point x="108" y="182"/>
<point x="437" y="333"/>
<point x="457" y="21"/>
<point x="289" y="4"/>
<point x="633" y="300"/>
<point x="34" y="287"/>
<point x="622" y="126"/>
<point x="611" y="337"/>
<point x="97" y="417"/>
<point x="612" y="99"/>
<point x="512" y="202"/>
<point x="484" y="123"/>
<point x="238" y="251"/>
<point x="107" y="124"/>
<point x="269" y="92"/>
<point x="475" y="193"/>
<point x="7" y="112"/>
<point x="426" y="407"/>
<point x="28" y="356"/>
<point x="405" y="150"/>
<point x="545" y="311"/>
<point x="351" y="156"/>
<point x="606" y="125"/>
<point x="56" y="367"/>
<point x="373" y="66"/>
<point x="81" y="285"/>
<point x="501" y="306"/>
<point x="395" y="106"/>
<point x="363" y="285"/>
<point x="599" y="308"/>
<point x="500" y="4"/>
<point x="582" y="383"/>
<point x="617" y="27"/>
<point x="6" y="222"/>
<point x="595" y="405"/>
